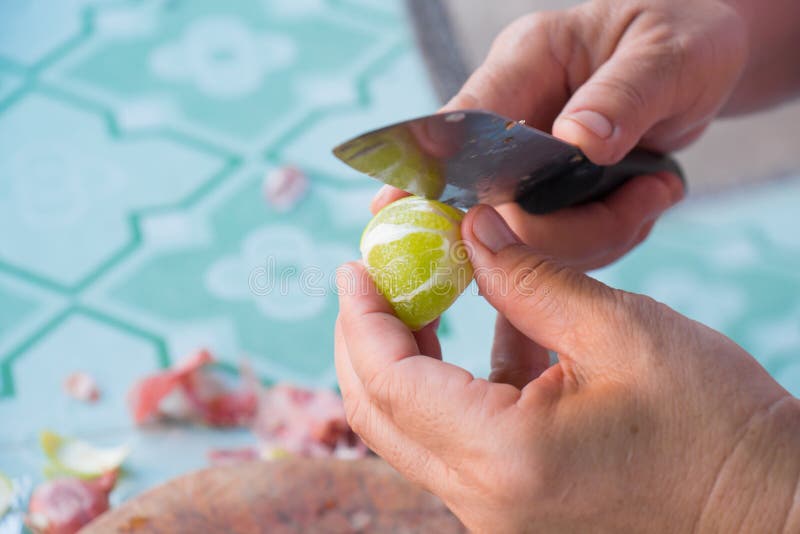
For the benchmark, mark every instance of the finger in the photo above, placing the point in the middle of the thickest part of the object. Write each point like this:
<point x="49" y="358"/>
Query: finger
<point x="385" y="196"/>
<point x="521" y="77"/>
<point x="623" y="99"/>
<point x="644" y="232"/>
<point x="376" y="338"/>
<point x="377" y="431"/>
<point x="614" y="255"/>
<point x="516" y="359"/>
<point x="594" y="234"/>
<point x="557" y="307"/>
<point x="428" y="341"/>
<point x="661" y="139"/>
<point x="426" y="399"/>
<point x="348" y="382"/>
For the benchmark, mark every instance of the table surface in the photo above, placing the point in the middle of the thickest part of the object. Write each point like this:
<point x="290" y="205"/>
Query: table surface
<point x="134" y="139"/>
<point x="286" y="497"/>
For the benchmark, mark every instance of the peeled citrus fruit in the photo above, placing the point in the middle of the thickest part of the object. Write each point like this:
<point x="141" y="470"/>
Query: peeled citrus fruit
<point x="413" y="250"/>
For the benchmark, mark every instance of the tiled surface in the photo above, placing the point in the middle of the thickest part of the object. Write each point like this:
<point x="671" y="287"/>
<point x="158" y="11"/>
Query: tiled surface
<point x="134" y="137"/>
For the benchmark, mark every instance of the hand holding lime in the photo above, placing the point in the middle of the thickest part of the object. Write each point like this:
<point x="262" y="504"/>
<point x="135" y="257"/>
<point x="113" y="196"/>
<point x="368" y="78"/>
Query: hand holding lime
<point x="413" y="250"/>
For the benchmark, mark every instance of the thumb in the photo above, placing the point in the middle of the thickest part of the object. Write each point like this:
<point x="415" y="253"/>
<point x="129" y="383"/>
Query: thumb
<point x="610" y="113"/>
<point x="557" y="307"/>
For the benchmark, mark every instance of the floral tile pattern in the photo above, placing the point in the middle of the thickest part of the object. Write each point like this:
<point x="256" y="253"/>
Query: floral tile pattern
<point x="135" y="136"/>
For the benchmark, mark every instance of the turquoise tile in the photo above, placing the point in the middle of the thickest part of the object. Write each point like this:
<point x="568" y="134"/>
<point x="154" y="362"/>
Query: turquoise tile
<point x="9" y="84"/>
<point x="14" y="309"/>
<point x="241" y="70"/>
<point x="114" y="355"/>
<point x="387" y="91"/>
<point x="270" y="274"/>
<point x="69" y="186"/>
<point x="35" y="29"/>
<point x="134" y="139"/>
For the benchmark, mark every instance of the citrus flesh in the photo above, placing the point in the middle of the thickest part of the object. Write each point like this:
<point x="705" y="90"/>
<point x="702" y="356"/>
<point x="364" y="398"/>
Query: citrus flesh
<point x="413" y="251"/>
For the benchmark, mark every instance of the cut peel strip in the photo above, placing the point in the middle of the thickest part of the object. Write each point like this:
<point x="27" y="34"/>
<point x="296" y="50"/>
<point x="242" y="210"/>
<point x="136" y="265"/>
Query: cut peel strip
<point x="79" y="458"/>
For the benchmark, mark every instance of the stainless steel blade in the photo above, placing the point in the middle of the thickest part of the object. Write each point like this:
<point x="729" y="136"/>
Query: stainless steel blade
<point x="464" y="157"/>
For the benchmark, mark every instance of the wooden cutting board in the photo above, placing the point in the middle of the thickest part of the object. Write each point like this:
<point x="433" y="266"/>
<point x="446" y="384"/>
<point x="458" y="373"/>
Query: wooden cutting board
<point x="289" y="496"/>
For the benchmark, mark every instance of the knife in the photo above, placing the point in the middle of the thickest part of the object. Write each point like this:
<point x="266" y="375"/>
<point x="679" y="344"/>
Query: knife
<point x="468" y="157"/>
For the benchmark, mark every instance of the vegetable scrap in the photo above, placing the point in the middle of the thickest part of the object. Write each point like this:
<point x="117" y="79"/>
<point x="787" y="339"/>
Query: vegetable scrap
<point x="76" y="458"/>
<point x="285" y="419"/>
<point x="65" y="505"/>
<point x="192" y="392"/>
<point x="309" y="423"/>
<point x="82" y="386"/>
<point x="85" y="475"/>
<point x="6" y="494"/>
<point x="284" y="187"/>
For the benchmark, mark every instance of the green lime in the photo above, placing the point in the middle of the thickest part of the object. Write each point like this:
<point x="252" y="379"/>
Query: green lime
<point x="413" y="250"/>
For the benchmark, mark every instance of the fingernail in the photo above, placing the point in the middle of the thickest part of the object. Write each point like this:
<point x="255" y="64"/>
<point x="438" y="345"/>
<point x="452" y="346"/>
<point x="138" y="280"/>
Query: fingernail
<point x="491" y="230"/>
<point x="594" y="122"/>
<point x="674" y="184"/>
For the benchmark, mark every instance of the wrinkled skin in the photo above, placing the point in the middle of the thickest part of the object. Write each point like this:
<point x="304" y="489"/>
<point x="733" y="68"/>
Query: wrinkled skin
<point x="658" y="70"/>
<point x="650" y="422"/>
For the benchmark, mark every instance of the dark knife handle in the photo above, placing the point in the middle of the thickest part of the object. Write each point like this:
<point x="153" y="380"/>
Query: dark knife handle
<point x="586" y="182"/>
<point x="637" y="163"/>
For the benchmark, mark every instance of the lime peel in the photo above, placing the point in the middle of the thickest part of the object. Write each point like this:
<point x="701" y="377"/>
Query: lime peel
<point x="6" y="494"/>
<point x="78" y="458"/>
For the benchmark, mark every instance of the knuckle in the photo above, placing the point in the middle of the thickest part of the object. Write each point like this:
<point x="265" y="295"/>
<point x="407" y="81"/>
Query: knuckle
<point x="684" y="46"/>
<point x="379" y="386"/>
<point x="526" y="271"/>
<point x="533" y="287"/>
<point x="525" y="27"/>
<point x="527" y="33"/>
<point x="386" y="390"/>
<point x="631" y="94"/>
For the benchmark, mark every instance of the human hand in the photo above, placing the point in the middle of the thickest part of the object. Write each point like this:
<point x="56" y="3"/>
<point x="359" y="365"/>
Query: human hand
<point x="650" y="422"/>
<point x="607" y="76"/>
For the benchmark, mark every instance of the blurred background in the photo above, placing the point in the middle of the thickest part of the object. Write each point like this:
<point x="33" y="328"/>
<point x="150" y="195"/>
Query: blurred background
<point x="144" y="152"/>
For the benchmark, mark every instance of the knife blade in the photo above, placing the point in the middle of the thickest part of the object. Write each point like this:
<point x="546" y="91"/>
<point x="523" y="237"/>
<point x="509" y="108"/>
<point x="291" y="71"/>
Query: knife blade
<point x="468" y="157"/>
